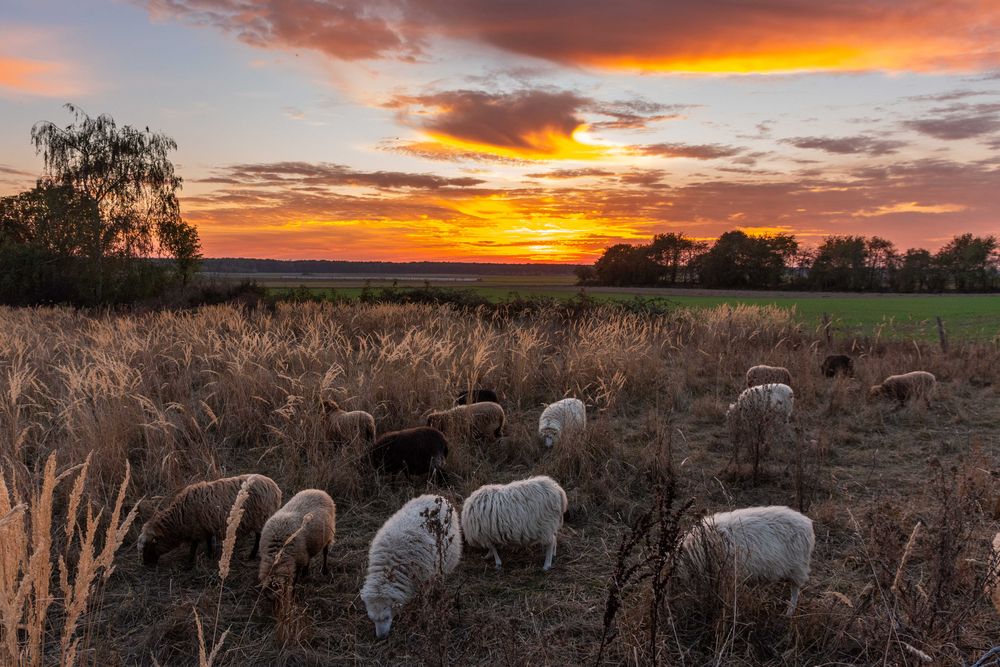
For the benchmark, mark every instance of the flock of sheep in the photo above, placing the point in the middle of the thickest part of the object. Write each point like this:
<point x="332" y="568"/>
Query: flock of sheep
<point x="424" y="538"/>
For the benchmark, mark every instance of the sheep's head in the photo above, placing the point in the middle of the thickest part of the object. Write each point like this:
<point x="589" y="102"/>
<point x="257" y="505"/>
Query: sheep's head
<point x="876" y="390"/>
<point x="380" y="613"/>
<point x="330" y="405"/>
<point x="548" y="437"/>
<point x="276" y="577"/>
<point x="151" y="545"/>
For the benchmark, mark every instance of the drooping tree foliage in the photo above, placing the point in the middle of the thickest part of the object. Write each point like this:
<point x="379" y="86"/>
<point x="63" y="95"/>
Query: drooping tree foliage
<point x="103" y="211"/>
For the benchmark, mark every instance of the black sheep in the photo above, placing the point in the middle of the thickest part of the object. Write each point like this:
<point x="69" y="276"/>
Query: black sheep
<point x="415" y="451"/>
<point x="477" y="396"/>
<point x="838" y="363"/>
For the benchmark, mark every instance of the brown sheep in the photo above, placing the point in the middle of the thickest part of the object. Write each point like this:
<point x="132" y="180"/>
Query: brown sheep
<point x="347" y="427"/>
<point x="905" y="387"/>
<point x="837" y="364"/>
<point x="199" y="514"/>
<point x="768" y="375"/>
<point x="303" y="528"/>
<point x="480" y="420"/>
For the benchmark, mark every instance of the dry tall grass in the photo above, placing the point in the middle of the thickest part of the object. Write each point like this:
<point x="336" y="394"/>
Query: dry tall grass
<point x="164" y="399"/>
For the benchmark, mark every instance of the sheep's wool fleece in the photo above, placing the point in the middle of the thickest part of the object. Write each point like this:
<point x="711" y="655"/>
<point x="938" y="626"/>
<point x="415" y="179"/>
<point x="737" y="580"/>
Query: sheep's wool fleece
<point x="405" y="552"/>
<point x="772" y="543"/>
<point x="566" y="416"/>
<point x="525" y="512"/>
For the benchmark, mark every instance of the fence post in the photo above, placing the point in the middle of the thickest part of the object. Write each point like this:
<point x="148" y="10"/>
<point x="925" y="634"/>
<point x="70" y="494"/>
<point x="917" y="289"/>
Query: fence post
<point x="942" y="336"/>
<point x="826" y="330"/>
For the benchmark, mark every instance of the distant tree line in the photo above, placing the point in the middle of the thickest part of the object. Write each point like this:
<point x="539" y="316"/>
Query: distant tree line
<point x="98" y="224"/>
<point x="246" y="265"/>
<point x="967" y="263"/>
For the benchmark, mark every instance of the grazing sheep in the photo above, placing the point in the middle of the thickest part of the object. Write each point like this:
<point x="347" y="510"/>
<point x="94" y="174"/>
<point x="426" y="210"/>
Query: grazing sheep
<point x="347" y="427"/>
<point x="523" y="513"/>
<point x="477" y="396"/>
<point x="912" y="385"/>
<point x="764" y="543"/>
<point x="415" y="451"/>
<point x="838" y="363"/>
<point x="768" y="375"/>
<point x="304" y="527"/>
<point x="764" y="398"/>
<point x="480" y="420"/>
<point x="759" y="417"/>
<point x="199" y="514"/>
<point x="561" y="420"/>
<point x="417" y="543"/>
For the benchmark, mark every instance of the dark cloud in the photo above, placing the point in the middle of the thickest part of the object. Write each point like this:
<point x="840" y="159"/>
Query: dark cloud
<point x="524" y="121"/>
<point x="324" y="175"/>
<point x="956" y="127"/>
<point x="349" y="30"/>
<point x="565" y="174"/>
<point x="636" y="114"/>
<point x="670" y="35"/>
<point x="431" y="150"/>
<point x="949" y="96"/>
<point x="860" y="144"/>
<point x="694" y="151"/>
<point x="11" y="171"/>
<point x="645" y="178"/>
<point x="958" y="121"/>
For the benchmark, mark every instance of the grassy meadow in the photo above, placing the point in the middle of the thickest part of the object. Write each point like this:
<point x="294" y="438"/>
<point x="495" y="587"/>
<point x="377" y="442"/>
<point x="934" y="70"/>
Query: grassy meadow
<point x="899" y="316"/>
<point x="103" y="417"/>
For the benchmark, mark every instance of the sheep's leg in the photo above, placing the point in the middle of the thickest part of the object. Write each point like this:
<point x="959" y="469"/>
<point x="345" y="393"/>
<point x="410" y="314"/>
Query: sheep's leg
<point x="211" y="546"/>
<point x="496" y="557"/>
<point x="794" y="601"/>
<point x="192" y="554"/>
<point x="256" y="546"/>
<point x="550" y="552"/>
<point x="302" y="572"/>
<point x="326" y="554"/>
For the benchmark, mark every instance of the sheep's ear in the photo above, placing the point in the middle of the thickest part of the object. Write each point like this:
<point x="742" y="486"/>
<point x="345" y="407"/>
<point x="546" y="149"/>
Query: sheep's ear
<point x="147" y="508"/>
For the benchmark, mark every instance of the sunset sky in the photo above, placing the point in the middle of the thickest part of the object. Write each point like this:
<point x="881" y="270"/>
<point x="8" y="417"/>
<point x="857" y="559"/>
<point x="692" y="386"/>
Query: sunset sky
<point x="542" y="130"/>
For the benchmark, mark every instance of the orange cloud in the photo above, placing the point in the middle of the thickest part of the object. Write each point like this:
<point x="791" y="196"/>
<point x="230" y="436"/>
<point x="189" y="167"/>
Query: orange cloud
<point x="36" y="77"/>
<point x="733" y="37"/>
<point x="524" y="125"/>
<point x="676" y="36"/>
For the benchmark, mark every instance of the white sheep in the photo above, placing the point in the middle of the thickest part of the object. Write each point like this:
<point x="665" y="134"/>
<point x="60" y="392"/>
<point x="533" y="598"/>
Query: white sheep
<point x="301" y="529"/>
<point x="416" y="544"/>
<point x="759" y="418"/>
<point x="912" y="385"/>
<point x="562" y="420"/>
<point x="762" y="374"/>
<point x="763" y="399"/>
<point x="763" y="543"/>
<point x="522" y="513"/>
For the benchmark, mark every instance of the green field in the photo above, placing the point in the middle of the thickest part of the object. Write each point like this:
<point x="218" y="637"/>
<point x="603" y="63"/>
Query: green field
<point x="908" y="316"/>
<point x="896" y="316"/>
